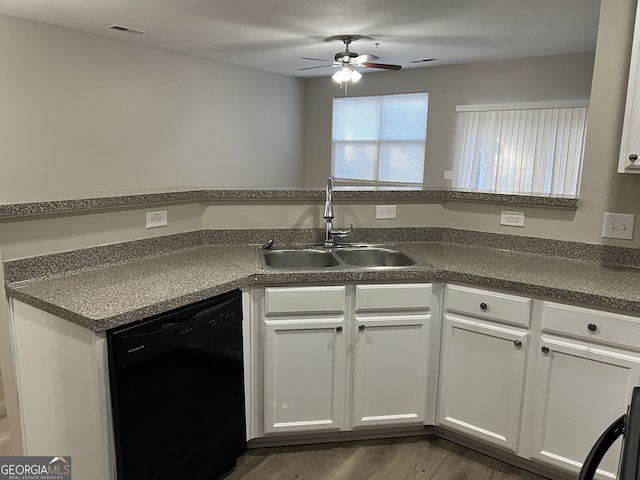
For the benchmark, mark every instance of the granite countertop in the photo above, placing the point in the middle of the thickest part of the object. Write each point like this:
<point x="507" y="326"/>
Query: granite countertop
<point x="108" y="296"/>
<point x="20" y="207"/>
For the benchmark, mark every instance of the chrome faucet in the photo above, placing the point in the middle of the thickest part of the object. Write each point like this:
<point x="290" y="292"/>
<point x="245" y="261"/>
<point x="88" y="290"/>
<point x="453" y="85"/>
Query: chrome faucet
<point x="329" y="231"/>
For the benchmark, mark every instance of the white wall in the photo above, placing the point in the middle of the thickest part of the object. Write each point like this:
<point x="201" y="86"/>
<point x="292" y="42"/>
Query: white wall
<point x="83" y="113"/>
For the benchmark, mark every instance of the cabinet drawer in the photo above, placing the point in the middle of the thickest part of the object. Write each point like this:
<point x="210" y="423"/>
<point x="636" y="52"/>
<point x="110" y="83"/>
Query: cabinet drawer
<point x="491" y="305"/>
<point x="324" y="299"/>
<point x="414" y="296"/>
<point x="595" y="325"/>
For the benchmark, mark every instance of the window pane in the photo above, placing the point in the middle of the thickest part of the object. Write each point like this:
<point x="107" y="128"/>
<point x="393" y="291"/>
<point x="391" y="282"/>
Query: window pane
<point x="401" y="162"/>
<point x="354" y="161"/>
<point x="355" y="118"/>
<point x="404" y="117"/>
<point x="380" y="138"/>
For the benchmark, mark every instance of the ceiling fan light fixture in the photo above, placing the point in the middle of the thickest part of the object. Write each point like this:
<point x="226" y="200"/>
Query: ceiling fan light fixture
<point x="355" y="75"/>
<point x="346" y="73"/>
<point x="342" y="75"/>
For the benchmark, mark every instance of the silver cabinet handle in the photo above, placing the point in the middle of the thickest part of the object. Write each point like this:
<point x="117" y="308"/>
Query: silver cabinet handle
<point x="592" y="327"/>
<point x="633" y="157"/>
<point x="517" y="343"/>
<point x="483" y="306"/>
<point x="545" y="349"/>
<point x="339" y="329"/>
<point x="362" y="328"/>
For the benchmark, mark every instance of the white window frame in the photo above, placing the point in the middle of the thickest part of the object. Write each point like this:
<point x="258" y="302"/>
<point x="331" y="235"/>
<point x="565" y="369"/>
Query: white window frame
<point x="376" y="183"/>
<point x="537" y="148"/>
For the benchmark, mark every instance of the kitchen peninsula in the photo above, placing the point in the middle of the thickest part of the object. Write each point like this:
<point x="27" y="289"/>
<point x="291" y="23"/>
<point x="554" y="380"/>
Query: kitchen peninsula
<point x="87" y="291"/>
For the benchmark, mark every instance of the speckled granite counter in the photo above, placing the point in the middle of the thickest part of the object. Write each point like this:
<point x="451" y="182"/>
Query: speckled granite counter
<point x="107" y="296"/>
<point x="57" y="206"/>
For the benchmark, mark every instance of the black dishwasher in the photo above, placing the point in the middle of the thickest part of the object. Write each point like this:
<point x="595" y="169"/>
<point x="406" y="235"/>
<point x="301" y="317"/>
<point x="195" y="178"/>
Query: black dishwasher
<point x="177" y="392"/>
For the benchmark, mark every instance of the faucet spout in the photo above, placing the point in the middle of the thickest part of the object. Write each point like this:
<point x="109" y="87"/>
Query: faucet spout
<point x="330" y="232"/>
<point x="328" y="202"/>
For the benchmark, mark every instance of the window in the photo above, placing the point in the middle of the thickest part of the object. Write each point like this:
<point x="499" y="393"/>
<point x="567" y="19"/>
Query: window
<point x="379" y="141"/>
<point x="530" y="149"/>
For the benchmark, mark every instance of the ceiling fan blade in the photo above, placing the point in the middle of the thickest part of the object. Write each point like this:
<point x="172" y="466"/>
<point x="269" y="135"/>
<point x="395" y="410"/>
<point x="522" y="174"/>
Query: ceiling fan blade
<point x="384" y="66"/>
<point x="365" y="58"/>
<point x="315" y="59"/>
<point x="317" y="66"/>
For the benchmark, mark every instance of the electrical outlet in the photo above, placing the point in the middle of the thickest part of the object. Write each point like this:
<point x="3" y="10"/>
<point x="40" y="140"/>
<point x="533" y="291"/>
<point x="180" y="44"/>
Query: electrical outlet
<point x="512" y="219"/>
<point x="618" y="225"/>
<point x="448" y="175"/>
<point x="384" y="212"/>
<point x="156" y="219"/>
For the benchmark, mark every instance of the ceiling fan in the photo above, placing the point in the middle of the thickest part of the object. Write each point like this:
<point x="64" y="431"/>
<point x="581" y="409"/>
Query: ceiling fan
<point x="348" y="60"/>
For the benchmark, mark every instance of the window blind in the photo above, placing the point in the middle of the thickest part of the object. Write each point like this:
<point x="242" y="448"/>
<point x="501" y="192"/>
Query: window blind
<point x="521" y="148"/>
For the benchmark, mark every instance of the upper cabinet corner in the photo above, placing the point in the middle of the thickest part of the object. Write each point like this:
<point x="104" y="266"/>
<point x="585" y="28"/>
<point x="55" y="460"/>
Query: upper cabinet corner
<point x="629" y="161"/>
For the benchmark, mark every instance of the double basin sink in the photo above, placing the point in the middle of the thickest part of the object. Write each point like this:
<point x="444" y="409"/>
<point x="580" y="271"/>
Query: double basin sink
<point x="350" y="256"/>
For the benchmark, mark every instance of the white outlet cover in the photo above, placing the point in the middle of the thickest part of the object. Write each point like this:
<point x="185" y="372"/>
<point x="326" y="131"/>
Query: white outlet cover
<point x="384" y="212"/>
<point x="512" y="219"/>
<point x="448" y="175"/>
<point x="156" y="219"/>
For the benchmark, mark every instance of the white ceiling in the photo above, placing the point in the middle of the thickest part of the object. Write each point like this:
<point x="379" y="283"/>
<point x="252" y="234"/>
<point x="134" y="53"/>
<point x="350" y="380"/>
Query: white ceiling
<point x="273" y="35"/>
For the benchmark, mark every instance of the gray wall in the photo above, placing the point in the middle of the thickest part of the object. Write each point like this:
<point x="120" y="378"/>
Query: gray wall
<point x="83" y="114"/>
<point x="558" y="77"/>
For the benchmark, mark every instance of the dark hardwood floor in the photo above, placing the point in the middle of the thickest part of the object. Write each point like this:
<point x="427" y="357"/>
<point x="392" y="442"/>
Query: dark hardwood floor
<point x="424" y="458"/>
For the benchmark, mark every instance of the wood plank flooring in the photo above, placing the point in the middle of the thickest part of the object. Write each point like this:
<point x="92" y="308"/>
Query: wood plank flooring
<point x="423" y="458"/>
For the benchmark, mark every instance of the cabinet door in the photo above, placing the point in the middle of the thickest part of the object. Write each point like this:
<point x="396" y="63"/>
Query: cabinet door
<point x="578" y="391"/>
<point x="390" y="370"/>
<point x="482" y="371"/>
<point x="305" y="374"/>
<point x="629" y="161"/>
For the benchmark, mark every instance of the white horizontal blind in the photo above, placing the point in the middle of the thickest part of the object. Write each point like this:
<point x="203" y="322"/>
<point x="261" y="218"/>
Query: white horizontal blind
<point x="379" y="140"/>
<point x="521" y="149"/>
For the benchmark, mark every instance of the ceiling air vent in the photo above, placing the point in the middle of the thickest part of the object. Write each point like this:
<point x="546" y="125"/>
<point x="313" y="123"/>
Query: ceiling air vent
<point x="425" y="60"/>
<point x="122" y="28"/>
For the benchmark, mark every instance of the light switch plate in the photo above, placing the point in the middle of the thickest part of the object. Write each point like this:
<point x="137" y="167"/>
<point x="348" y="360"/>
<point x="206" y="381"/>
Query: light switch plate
<point x="618" y="225"/>
<point x="512" y="219"/>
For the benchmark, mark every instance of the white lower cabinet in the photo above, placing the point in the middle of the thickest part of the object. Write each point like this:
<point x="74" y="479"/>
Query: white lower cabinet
<point x="391" y="354"/>
<point x="482" y="367"/>
<point x="580" y="384"/>
<point x="305" y="367"/>
<point x="305" y="376"/>
<point x="358" y="358"/>
<point x="540" y="379"/>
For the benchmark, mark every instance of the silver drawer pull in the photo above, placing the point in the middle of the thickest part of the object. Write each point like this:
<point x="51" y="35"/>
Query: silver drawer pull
<point x="484" y="306"/>
<point x="545" y="349"/>
<point x="592" y="327"/>
<point x="517" y="343"/>
<point x="339" y="329"/>
<point x="361" y="328"/>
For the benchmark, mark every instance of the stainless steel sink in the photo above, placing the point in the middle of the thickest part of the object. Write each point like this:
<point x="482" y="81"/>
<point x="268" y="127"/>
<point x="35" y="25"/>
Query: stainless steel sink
<point x="298" y="258"/>
<point x="356" y="256"/>
<point x="375" y="257"/>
